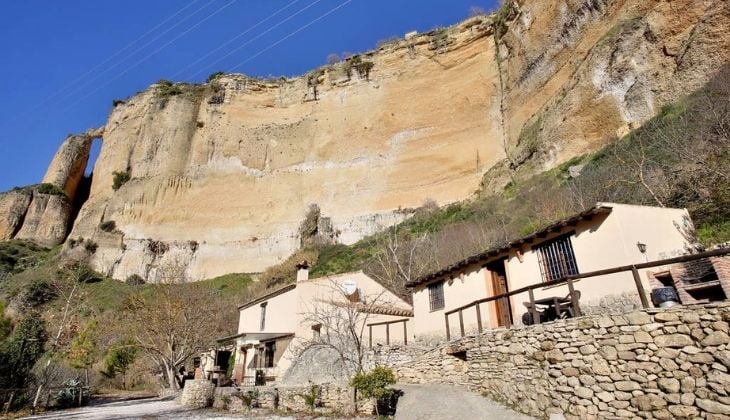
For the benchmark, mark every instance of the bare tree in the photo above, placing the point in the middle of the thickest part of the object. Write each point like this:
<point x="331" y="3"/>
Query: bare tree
<point x="69" y="287"/>
<point x="401" y="258"/>
<point x="172" y="322"/>
<point x="341" y="319"/>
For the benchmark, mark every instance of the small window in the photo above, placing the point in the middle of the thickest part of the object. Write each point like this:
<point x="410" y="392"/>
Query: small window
<point x="436" y="296"/>
<point x="269" y="352"/>
<point x="316" y="332"/>
<point x="263" y="316"/>
<point x="557" y="259"/>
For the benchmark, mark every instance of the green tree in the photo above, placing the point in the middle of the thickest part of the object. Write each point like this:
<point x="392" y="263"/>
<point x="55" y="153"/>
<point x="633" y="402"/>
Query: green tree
<point x="374" y="384"/>
<point x="20" y="352"/>
<point x="82" y="353"/>
<point x="118" y="360"/>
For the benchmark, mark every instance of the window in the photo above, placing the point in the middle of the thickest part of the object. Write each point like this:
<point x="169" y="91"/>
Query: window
<point x="263" y="316"/>
<point x="436" y="296"/>
<point x="316" y="332"/>
<point x="269" y="352"/>
<point x="557" y="259"/>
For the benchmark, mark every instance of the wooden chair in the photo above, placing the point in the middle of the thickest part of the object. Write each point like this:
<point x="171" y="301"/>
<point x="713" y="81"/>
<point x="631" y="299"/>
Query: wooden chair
<point x="565" y="309"/>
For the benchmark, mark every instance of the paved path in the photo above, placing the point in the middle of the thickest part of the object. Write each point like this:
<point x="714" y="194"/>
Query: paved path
<point x="438" y="402"/>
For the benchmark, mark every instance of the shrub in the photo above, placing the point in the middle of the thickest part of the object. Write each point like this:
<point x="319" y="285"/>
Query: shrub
<point x="135" y="280"/>
<point x="37" y="293"/>
<point x="157" y="247"/>
<point x="214" y="76"/>
<point x="108" y="226"/>
<point x="364" y="68"/>
<point x="166" y="88"/>
<point x="50" y="189"/>
<point x="117" y="102"/>
<point x="312" y="397"/>
<point x="374" y="384"/>
<point x="120" y="178"/>
<point x="72" y="394"/>
<point x="91" y="246"/>
<point x="84" y="273"/>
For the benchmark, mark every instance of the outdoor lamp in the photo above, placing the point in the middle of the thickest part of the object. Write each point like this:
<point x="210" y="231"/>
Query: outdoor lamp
<point x="642" y="247"/>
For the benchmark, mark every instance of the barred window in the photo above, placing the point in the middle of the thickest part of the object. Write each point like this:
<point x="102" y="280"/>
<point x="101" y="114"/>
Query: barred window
<point x="436" y="296"/>
<point x="557" y="259"/>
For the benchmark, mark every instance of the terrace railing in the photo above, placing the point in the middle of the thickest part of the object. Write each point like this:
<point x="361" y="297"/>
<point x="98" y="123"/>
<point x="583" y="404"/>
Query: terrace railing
<point x="387" y="325"/>
<point x="568" y="280"/>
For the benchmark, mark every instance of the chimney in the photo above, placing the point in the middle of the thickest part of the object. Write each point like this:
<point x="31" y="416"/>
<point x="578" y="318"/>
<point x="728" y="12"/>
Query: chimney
<point x="303" y="271"/>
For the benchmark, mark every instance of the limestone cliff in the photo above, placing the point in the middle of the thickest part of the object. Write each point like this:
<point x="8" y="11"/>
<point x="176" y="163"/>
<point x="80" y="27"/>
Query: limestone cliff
<point x="221" y="175"/>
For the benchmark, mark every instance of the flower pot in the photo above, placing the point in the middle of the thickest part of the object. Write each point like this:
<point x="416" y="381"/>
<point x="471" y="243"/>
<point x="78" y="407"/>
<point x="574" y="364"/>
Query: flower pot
<point x="664" y="297"/>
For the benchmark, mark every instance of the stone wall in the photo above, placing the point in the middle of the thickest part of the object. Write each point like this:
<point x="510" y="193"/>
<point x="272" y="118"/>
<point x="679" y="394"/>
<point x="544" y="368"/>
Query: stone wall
<point x="330" y="398"/>
<point x="198" y="393"/>
<point x="652" y="363"/>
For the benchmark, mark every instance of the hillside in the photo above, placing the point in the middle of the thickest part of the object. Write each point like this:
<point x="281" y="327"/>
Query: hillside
<point x="220" y="177"/>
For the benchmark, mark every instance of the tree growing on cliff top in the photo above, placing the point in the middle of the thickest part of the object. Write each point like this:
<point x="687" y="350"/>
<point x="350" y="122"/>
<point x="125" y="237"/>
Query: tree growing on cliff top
<point x="170" y="322"/>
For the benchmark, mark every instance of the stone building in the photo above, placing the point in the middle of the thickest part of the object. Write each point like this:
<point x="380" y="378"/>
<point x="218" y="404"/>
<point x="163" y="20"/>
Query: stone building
<point x="605" y="236"/>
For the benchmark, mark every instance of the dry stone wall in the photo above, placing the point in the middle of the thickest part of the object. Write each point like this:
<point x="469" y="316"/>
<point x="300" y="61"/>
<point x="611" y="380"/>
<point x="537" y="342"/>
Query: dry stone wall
<point x="330" y="398"/>
<point x="197" y="393"/>
<point x="657" y="363"/>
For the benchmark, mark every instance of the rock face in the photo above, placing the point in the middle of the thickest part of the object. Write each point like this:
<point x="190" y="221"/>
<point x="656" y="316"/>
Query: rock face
<point x="223" y="175"/>
<point x="31" y="215"/>
<point x="68" y="165"/>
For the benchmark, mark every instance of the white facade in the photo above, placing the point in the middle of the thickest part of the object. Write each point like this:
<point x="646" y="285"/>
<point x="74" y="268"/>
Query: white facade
<point x="606" y="238"/>
<point x="274" y="328"/>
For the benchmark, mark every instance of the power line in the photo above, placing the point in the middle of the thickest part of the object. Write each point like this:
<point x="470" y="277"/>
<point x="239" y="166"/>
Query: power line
<point x="133" y="53"/>
<point x="174" y="76"/>
<point x="293" y="33"/>
<point x="145" y="58"/>
<point x="110" y="58"/>
<point x="255" y="38"/>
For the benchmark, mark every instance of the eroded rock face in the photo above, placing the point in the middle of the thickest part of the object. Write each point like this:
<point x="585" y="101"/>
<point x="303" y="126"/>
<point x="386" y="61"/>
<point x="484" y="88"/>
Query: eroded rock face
<point x="68" y="165"/>
<point x="13" y="206"/>
<point x="30" y="215"/>
<point x="224" y="176"/>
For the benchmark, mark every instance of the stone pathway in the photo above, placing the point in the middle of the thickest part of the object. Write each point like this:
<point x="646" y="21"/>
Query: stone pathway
<point x="438" y="402"/>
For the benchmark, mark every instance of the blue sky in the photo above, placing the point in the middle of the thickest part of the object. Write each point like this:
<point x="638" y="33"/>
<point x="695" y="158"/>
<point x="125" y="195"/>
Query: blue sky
<point x="65" y="61"/>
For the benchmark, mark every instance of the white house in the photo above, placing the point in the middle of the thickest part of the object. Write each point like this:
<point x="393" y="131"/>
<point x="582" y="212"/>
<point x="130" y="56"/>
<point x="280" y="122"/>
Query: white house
<point x="605" y="236"/>
<point x="273" y="329"/>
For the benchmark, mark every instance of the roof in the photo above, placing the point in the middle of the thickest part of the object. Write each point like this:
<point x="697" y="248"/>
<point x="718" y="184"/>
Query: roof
<point x="258" y="336"/>
<point x="277" y="292"/>
<point x="496" y="252"/>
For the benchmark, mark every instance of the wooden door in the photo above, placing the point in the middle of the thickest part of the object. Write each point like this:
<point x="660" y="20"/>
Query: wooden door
<point x="499" y="286"/>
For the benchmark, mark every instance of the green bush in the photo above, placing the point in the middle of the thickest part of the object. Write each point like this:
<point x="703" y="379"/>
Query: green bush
<point x="214" y="76"/>
<point x="91" y="246"/>
<point x="50" y="189"/>
<point x="374" y="384"/>
<point x="37" y="293"/>
<point x="120" y="178"/>
<point x="311" y="398"/>
<point x="135" y="280"/>
<point x="108" y="226"/>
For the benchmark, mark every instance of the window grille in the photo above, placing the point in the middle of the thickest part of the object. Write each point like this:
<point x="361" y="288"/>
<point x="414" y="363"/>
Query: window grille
<point x="436" y="296"/>
<point x="263" y="316"/>
<point x="557" y="259"/>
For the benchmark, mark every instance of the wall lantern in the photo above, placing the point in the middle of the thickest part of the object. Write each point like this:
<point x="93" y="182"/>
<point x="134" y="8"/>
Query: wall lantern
<point x="642" y="247"/>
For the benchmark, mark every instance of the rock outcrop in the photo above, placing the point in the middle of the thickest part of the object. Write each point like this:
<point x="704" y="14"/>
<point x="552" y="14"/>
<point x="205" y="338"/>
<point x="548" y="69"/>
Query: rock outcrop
<point x="221" y="176"/>
<point x="68" y="165"/>
<point x="32" y="215"/>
